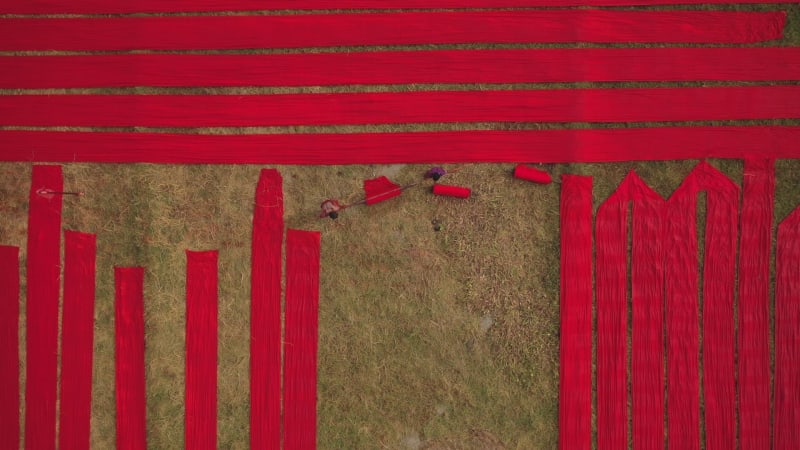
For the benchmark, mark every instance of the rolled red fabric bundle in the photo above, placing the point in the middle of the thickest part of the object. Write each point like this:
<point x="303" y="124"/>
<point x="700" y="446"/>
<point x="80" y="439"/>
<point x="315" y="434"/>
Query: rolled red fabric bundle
<point x="451" y="191"/>
<point x="531" y="174"/>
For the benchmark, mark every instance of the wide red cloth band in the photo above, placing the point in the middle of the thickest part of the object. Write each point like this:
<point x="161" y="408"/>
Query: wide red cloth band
<point x="546" y="105"/>
<point x="372" y="29"/>
<point x="77" y="340"/>
<point x="575" y="368"/>
<point x="265" y="320"/>
<point x="403" y="67"/>
<point x="153" y="6"/>
<point x="129" y="358"/>
<point x="9" y="346"/>
<point x="43" y="287"/>
<point x="549" y="146"/>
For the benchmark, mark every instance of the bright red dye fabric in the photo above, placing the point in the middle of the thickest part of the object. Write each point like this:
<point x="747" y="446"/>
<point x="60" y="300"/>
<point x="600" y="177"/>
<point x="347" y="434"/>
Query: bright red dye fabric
<point x="379" y="189"/>
<point x="265" y="312"/>
<point x="755" y="249"/>
<point x="300" y="346"/>
<point x="43" y="282"/>
<point x="553" y="146"/>
<point x="201" y="350"/>
<point x="405" y="28"/>
<point x="647" y="285"/>
<point x="546" y="105"/>
<point x="787" y="334"/>
<point x="129" y="358"/>
<point x="451" y="191"/>
<point x="532" y="174"/>
<point x="717" y="309"/>
<point x="9" y="347"/>
<point x="575" y="368"/>
<point x="120" y="6"/>
<point x="403" y="67"/>
<point x="77" y="344"/>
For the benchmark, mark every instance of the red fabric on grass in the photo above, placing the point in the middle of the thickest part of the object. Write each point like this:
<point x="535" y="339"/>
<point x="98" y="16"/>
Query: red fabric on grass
<point x="647" y="285"/>
<point x="405" y="28"/>
<point x="545" y="105"/>
<point x="403" y="67"/>
<point x="754" y="301"/>
<point x="575" y="368"/>
<point x="129" y="358"/>
<point x="379" y="189"/>
<point x="9" y="347"/>
<point x="787" y="334"/>
<point x="532" y="174"/>
<point x="451" y="191"/>
<point x="300" y="346"/>
<point x="265" y="312"/>
<point x="119" y="6"/>
<point x="201" y="350"/>
<point x="717" y="309"/>
<point x="43" y="282"/>
<point x="77" y="340"/>
<point x="547" y="146"/>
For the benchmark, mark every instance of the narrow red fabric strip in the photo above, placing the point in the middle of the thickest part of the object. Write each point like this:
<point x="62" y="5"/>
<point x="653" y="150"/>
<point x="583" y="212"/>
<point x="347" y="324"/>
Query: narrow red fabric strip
<point x="77" y="344"/>
<point x="647" y="273"/>
<point x="201" y="350"/>
<point x="9" y="347"/>
<point x="43" y="282"/>
<point x="129" y="358"/>
<point x="545" y="105"/>
<point x="552" y="146"/>
<point x="405" y="28"/>
<point x="403" y="67"/>
<point x="787" y="334"/>
<point x="718" y="325"/>
<point x="754" y="303"/>
<point x="575" y="387"/>
<point x="300" y="346"/>
<point x="152" y="6"/>
<point x="265" y="320"/>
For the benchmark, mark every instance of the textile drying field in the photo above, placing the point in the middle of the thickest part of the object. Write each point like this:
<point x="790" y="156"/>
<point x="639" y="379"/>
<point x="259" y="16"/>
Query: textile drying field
<point x="427" y="339"/>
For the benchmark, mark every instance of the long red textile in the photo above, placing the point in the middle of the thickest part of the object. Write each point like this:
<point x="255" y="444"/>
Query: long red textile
<point x="9" y="347"/>
<point x="787" y="334"/>
<point x="300" y="346"/>
<point x="201" y="350"/>
<point x="717" y="309"/>
<point x="129" y="358"/>
<point x="379" y="189"/>
<point x="647" y="272"/>
<point x="403" y="67"/>
<point x="77" y="344"/>
<point x="575" y="368"/>
<point x="120" y="6"/>
<point x="547" y="146"/>
<point x="755" y="249"/>
<point x="43" y="282"/>
<point x="265" y="313"/>
<point x="406" y="28"/>
<point x="545" y="105"/>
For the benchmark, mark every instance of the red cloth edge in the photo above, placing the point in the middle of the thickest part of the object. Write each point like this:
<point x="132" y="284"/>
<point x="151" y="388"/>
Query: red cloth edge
<point x="9" y="347"/>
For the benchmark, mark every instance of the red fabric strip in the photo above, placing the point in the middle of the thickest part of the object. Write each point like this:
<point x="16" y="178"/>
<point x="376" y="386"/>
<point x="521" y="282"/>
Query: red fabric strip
<point x="546" y="105"/>
<point x="300" y="347"/>
<point x="755" y="249"/>
<point x="379" y="189"/>
<point x="43" y="282"/>
<point x="407" y="28"/>
<point x="575" y="368"/>
<point x="525" y="172"/>
<point x="787" y="334"/>
<point x="403" y="67"/>
<point x="77" y="344"/>
<point x="718" y="327"/>
<point x="201" y="350"/>
<point x="121" y="7"/>
<point x="129" y="358"/>
<point x="9" y="347"/>
<point x="550" y="146"/>
<point x="265" y="320"/>
<point x="647" y="287"/>
<point x="451" y="191"/>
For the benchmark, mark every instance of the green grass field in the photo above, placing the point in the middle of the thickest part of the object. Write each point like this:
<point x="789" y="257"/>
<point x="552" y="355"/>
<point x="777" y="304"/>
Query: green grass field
<point x="435" y="340"/>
